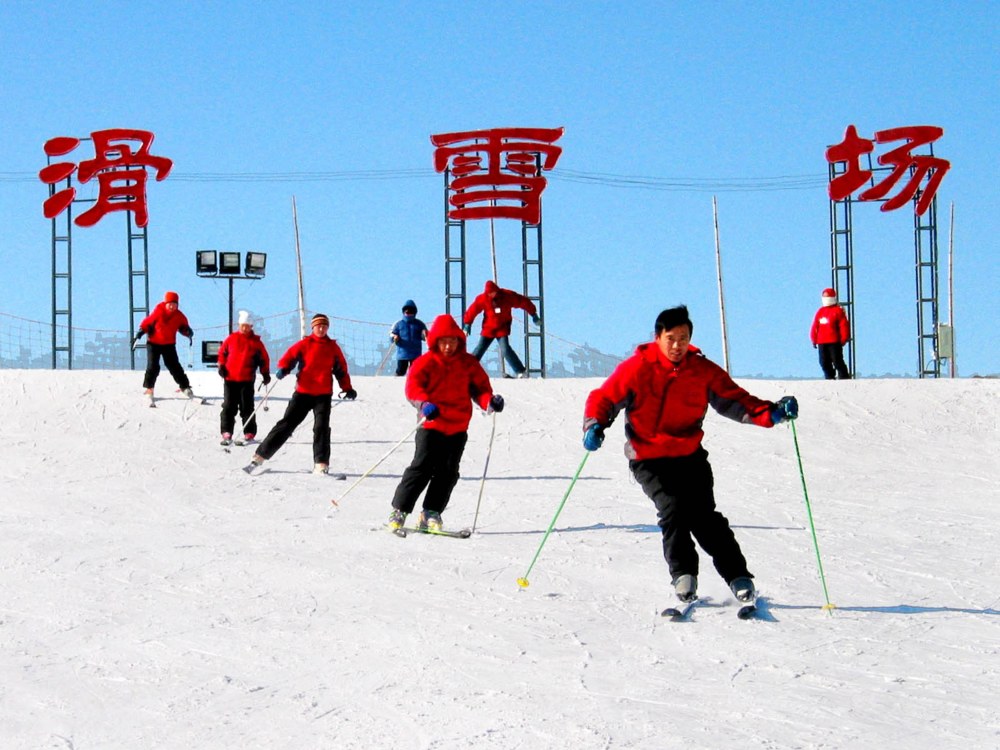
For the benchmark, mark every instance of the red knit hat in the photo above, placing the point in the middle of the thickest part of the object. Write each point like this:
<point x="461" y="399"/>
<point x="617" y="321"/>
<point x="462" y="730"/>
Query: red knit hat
<point x="171" y="297"/>
<point x="828" y="292"/>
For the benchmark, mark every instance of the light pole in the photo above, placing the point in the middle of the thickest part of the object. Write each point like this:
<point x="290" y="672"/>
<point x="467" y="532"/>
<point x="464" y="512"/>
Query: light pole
<point x="213" y="264"/>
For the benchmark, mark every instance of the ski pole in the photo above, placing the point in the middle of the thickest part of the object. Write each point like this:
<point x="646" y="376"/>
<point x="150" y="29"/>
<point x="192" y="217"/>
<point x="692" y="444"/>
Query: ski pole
<point x="385" y="358"/>
<point x="263" y="401"/>
<point x="523" y="580"/>
<point x="828" y="606"/>
<point x="482" y="483"/>
<point x="377" y="463"/>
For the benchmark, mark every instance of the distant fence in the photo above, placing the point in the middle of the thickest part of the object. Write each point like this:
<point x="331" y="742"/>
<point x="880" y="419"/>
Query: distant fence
<point x="27" y="344"/>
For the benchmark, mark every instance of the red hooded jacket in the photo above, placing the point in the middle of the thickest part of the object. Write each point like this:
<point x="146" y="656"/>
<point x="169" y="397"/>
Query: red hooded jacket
<point x="161" y="325"/>
<point x="830" y="326"/>
<point x="318" y="360"/>
<point x="450" y="383"/>
<point x="241" y="354"/>
<point x="665" y="404"/>
<point x="496" y="311"/>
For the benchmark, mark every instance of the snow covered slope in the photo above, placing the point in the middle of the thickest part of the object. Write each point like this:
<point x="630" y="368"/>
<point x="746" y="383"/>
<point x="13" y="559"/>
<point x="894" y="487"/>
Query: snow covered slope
<point x="154" y="596"/>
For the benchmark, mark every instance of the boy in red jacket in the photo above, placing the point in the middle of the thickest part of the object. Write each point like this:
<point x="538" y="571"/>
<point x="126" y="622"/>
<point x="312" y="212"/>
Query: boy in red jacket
<point x="496" y="304"/>
<point x="829" y="333"/>
<point x="442" y="383"/>
<point x="162" y="326"/>
<point x="240" y="356"/>
<point x="319" y="360"/>
<point x="665" y="389"/>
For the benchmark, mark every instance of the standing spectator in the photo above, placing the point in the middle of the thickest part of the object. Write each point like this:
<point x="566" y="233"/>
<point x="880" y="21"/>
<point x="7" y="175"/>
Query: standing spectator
<point x="442" y="384"/>
<point x="495" y="304"/>
<point x="829" y="333"/>
<point x="665" y="389"/>
<point x="319" y="360"/>
<point x="408" y="335"/>
<point x="240" y="356"/>
<point x="162" y="326"/>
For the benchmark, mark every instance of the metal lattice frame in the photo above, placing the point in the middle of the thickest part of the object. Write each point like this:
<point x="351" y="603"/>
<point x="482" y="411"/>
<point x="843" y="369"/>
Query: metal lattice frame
<point x="925" y="250"/>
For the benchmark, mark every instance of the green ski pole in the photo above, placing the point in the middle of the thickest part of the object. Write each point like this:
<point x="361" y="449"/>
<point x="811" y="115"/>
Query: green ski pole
<point x="523" y="580"/>
<point x="828" y="606"/>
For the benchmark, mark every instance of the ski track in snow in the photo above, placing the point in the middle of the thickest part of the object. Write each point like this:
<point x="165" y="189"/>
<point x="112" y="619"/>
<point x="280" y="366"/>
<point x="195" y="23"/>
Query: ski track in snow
<point x="155" y="596"/>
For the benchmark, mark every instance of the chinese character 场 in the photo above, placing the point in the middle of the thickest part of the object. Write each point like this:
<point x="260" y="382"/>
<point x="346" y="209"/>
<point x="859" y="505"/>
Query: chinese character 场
<point x="853" y="147"/>
<point x="120" y="170"/>
<point x="497" y="168"/>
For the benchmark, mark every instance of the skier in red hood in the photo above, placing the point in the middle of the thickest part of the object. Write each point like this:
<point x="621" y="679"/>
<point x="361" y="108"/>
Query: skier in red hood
<point x="495" y="304"/>
<point x="442" y="384"/>
<point x="162" y="326"/>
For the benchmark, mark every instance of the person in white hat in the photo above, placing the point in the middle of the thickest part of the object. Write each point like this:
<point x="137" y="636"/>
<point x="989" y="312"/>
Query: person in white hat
<point x="240" y="356"/>
<point x="829" y="333"/>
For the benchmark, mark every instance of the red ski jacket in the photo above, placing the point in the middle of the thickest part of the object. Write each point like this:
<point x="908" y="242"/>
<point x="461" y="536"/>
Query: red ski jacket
<point x="665" y="404"/>
<point x="161" y="326"/>
<point x="319" y="360"/>
<point x="450" y="383"/>
<point x="242" y="354"/>
<point x="830" y="326"/>
<point x="497" y="317"/>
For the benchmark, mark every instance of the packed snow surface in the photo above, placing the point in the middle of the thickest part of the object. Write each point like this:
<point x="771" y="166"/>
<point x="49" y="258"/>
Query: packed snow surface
<point x="152" y="595"/>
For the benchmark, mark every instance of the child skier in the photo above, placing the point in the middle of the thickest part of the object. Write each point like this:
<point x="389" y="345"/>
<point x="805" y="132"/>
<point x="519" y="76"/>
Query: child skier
<point x="240" y="356"/>
<point x="162" y="326"/>
<point x="442" y="384"/>
<point x="319" y="359"/>
<point x="665" y="389"/>
<point x="408" y="335"/>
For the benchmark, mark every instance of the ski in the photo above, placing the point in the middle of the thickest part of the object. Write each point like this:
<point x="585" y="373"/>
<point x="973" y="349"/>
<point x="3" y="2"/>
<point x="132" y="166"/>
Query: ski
<point x="460" y="534"/>
<point x="680" y="613"/>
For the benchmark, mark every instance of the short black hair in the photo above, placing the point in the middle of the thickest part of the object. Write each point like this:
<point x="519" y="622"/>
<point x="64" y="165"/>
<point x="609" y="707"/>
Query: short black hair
<point x="673" y="317"/>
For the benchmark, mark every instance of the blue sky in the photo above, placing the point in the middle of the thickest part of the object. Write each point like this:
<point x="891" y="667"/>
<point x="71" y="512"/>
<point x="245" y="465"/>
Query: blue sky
<point x="707" y="94"/>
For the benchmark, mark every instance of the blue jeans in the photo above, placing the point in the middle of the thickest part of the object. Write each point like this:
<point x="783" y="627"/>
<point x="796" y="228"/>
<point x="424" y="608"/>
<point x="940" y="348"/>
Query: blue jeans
<point x="508" y="354"/>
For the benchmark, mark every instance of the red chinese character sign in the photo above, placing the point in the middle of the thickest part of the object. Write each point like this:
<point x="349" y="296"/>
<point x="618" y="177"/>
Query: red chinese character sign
<point x="901" y="159"/>
<point x="495" y="173"/>
<point x="120" y="170"/>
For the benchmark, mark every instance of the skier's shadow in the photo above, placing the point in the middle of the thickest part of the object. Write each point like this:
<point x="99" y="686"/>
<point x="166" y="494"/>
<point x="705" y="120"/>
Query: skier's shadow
<point x="898" y="609"/>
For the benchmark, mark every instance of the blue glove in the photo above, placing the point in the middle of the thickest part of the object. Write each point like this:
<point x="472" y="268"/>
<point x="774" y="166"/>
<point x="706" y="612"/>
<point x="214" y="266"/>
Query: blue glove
<point x="468" y="329"/>
<point x="593" y="438"/>
<point x="786" y="408"/>
<point x="280" y="373"/>
<point x="429" y="410"/>
<point x="496" y="404"/>
<point x="536" y="320"/>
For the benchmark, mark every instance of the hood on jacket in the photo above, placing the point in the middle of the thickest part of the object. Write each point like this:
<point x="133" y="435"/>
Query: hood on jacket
<point x="444" y="325"/>
<point x="491" y="288"/>
<point x="410" y="305"/>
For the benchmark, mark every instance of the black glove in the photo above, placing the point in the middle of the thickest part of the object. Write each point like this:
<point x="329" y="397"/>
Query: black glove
<point x="223" y="372"/>
<point x="468" y="329"/>
<point x="496" y="404"/>
<point x="350" y="394"/>
<point x="265" y="378"/>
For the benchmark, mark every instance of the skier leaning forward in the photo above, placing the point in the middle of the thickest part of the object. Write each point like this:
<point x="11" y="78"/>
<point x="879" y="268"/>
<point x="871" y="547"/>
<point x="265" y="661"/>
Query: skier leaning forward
<point x="665" y="389"/>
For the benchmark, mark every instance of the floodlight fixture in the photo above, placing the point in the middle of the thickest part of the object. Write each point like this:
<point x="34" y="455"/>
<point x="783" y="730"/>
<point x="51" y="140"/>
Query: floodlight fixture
<point x="207" y="262"/>
<point x="229" y="264"/>
<point x="255" y="265"/>
<point x="210" y="352"/>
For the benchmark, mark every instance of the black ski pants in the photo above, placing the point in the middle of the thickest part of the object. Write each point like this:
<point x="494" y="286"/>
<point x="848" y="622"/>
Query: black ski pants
<point x="681" y="490"/>
<point x="831" y="359"/>
<point x="435" y="466"/>
<point x="402" y="365"/>
<point x="173" y="365"/>
<point x="237" y="396"/>
<point x="298" y="409"/>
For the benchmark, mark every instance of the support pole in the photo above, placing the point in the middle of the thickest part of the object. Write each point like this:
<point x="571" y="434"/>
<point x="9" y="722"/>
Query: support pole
<point x="722" y="300"/>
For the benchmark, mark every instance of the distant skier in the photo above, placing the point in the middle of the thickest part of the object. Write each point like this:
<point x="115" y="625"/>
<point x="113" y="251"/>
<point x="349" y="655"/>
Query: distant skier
<point x="496" y="304"/>
<point x="408" y="335"/>
<point x="830" y="332"/>
<point x="240" y="356"/>
<point x="319" y="360"/>
<point x="665" y="389"/>
<point x="162" y="326"/>
<point x="442" y="384"/>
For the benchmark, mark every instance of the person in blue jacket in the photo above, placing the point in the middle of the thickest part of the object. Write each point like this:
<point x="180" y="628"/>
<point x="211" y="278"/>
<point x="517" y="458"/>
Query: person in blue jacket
<point x="408" y="335"/>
